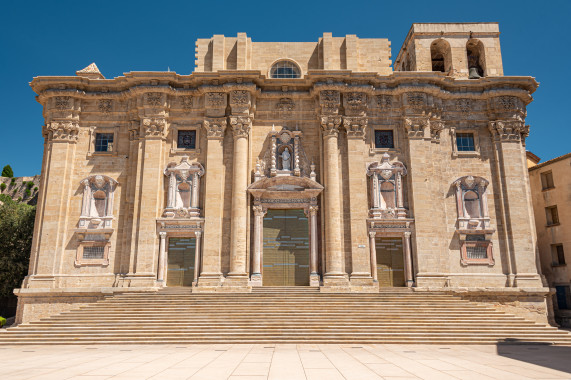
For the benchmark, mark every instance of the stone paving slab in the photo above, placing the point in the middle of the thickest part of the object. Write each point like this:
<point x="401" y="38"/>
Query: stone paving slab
<point x="286" y="361"/>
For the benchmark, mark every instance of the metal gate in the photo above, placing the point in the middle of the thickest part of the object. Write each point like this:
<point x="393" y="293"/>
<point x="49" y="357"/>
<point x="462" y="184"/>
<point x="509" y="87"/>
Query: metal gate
<point x="286" y="248"/>
<point x="180" y="271"/>
<point x="390" y="261"/>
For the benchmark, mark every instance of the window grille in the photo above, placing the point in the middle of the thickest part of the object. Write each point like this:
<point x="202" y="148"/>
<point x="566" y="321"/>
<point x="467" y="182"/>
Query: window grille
<point x="186" y="140"/>
<point x="285" y="70"/>
<point x="93" y="252"/>
<point x="103" y="142"/>
<point x="476" y="251"/>
<point x="384" y="139"/>
<point x="465" y="142"/>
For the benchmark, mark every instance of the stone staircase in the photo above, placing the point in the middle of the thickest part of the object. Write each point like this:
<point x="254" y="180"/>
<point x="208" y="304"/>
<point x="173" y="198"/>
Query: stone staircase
<point x="283" y="315"/>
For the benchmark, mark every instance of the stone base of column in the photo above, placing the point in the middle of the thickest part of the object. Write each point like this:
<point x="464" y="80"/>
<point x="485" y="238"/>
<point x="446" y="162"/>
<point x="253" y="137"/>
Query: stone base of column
<point x="140" y="280"/>
<point x="314" y="280"/>
<point x="237" y="283"/>
<point x="256" y="279"/>
<point x="528" y="280"/>
<point x="409" y="283"/>
<point x="208" y="283"/>
<point x="335" y="283"/>
<point x="363" y="283"/>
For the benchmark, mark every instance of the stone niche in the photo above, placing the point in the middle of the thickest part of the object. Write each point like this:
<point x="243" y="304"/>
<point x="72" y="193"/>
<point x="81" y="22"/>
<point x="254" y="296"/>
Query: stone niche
<point x="183" y="193"/>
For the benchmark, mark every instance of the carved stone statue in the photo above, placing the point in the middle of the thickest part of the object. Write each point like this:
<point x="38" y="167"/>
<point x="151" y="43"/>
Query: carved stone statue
<point x="286" y="160"/>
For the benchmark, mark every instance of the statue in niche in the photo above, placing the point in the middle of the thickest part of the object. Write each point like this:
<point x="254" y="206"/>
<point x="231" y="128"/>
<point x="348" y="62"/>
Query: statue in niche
<point x="286" y="160"/>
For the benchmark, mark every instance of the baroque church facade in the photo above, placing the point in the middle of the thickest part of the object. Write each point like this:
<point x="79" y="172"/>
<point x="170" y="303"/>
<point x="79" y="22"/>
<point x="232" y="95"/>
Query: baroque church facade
<point x="291" y="164"/>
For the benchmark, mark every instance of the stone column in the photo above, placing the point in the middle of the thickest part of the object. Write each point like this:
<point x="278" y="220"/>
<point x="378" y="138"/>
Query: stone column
<point x="238" y="227"/>
<point x="373" y="255"/>
<point x="172" y="191"/>
<point x="197" y="250"/>
<point x="195" y="189"/>
<point x="358" y="202"/>
<point x="334" y="275"/>
<point x="162" y="258"/>
<point x="256" y="278"/>
<point x="407" y="251"/>
<point x="313" y="254"/>
<point x="211" y="274"/>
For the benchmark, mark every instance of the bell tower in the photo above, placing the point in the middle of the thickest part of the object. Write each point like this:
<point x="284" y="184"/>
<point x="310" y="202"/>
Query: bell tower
<point x="459" y="50"/>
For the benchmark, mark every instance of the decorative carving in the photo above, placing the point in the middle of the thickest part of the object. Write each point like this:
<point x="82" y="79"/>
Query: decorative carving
<point x="186" y="102"/>
<point x="62" y="102"/>
<point x="97" y="204"/>
<point x="104" y="105"/>
<point x="330" y="101"/>
<point x="240" y="126"/>
<point x="507" y="103"/>
<point x="436" y="126"/>
<point x="240" y="97"/>
<point x="64" y="131"/>
<point x="355" y="126"/>
<point x="330" y="125"/>
<point x="312" y="210"/>
<point x="463" y="106"/>
<point x="154" y="127"/>
<point x="509" y="130"/>
<point x="355" y="103"/>
<point x="154" y="99"/>
<point x="215" y="127"/>
<point x="415" y="127"/>
<point x="386" y="189"/>
<point x="259" y="210"/>
<point x="384" y="102"/>
<point x="215" y="99"/>
<point x="285" y="106"/>
<point x="183" y="189"/>
<point x="133" y="131"/>
<point x="416" y="100"/>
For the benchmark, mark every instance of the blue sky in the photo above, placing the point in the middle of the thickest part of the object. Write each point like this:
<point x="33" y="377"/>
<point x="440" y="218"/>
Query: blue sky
<point x="40" y="38"/>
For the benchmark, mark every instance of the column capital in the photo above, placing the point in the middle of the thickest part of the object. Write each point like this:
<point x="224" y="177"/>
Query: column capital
<point x="259" y="210"/>
<point x="163" y="235"/>
<point x="355" y="126"/>
<point x="312" y="210"/>
<point x="330" y="125"/>
<point x="372" y="234"/>
<point x="241" y="126"/>
<point x="407" y="234"/>
<point x="416" y="126"/>
<point x="154" y="127"/>
<point x="508" y="130"/>
<point x="215" y="128"/>
<point x="61" y="131"/>
<point x="198" y="234"/>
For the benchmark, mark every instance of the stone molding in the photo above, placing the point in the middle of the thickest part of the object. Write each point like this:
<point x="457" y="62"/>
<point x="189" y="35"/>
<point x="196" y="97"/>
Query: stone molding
<point x="215" y="128"/>
<point x="355" y="103"/>
<point x="240" y="101"/>
<point x="330" y="100"/>
<point x="508" y="130"/>
<point x="415" y="127"/>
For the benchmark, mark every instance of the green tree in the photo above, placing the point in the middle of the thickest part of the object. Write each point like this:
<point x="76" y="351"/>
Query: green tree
<point x="16" y="231"/>
<point x="7" y="171"/>
<point x="2" y="186"/>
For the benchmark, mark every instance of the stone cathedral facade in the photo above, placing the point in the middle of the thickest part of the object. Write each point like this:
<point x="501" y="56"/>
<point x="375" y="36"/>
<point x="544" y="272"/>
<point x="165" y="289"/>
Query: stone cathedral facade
<point x="291" y="164"/>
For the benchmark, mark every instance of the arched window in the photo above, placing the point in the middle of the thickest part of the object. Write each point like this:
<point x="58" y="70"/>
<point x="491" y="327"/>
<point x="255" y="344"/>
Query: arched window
<point x="440" y="56"/>
<point x="472" y="204"/>
<point x="476" y="59"/>
<point x="285" y="70"/>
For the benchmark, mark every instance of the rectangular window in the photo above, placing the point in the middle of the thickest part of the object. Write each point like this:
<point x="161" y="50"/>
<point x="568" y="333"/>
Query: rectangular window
<point x="547" y="180"/>
<point x="562" y="294"/>
<point x="557" y="254"/>
<point x="186" y="139"/>
<point x="465" y="142"/>
<point x="104" y="142"/>
<point x="552" y="215"/>
<point x="384" y="138"/>
<point x="93" y="252"/>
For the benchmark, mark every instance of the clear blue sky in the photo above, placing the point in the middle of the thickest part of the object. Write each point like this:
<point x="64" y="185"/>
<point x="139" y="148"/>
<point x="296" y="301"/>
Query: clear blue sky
<point x="59" y="37"/>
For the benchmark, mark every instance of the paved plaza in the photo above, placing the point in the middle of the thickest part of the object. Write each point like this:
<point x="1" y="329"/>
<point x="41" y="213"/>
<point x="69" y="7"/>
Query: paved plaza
<point x="286" y="361"/>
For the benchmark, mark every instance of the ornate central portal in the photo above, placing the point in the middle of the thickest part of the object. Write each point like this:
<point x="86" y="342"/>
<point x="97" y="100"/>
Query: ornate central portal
<point x="285" y="248"/>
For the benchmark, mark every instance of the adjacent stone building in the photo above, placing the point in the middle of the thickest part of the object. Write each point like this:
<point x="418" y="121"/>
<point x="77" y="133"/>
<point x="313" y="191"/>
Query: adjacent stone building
<point x="551" y="190"/>
<point x="291" y="163"/>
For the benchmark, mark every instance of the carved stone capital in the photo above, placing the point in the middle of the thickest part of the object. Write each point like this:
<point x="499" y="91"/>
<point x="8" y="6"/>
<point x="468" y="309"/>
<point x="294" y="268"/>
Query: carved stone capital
<point x="215" y="127"/>
<point x="240" y="101"/>
<point x="163" y="235"/>
<point x="372" y="234"/>
<point x="312" y="210"/>
<point x="329" y="100"/>
<point x="154" y="127"/>
<point x="215" y="100"/>
<point x="355" y="126"/>
<point x="154" y="99"/>
<point x="415" y="126"/>
<point x="241" y="126"/>
<point x="355" y="103"/>
<point x="259" y="211"/>
<point x="508" y="130"/>
<point x="330" y="125"/>
<point x="62" y="131"/>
